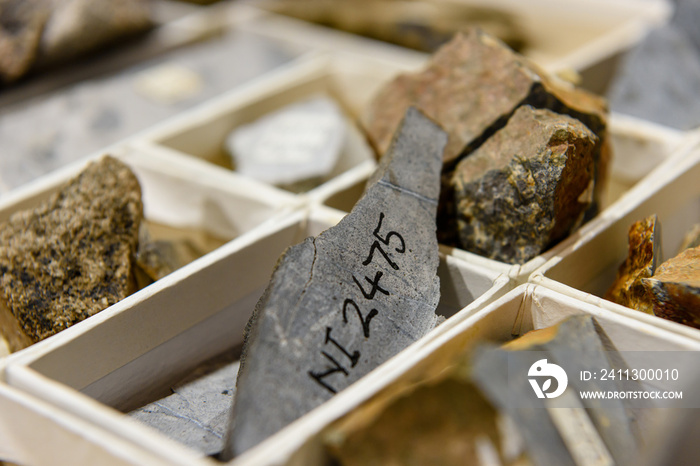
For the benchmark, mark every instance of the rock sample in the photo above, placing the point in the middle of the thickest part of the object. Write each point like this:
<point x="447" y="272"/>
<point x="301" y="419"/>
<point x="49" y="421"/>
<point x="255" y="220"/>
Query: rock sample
<point x="76" y="27"/>
<point x="471" y="87"/>
<point x="605" y="433"/>
<point x="21" y="25"/>
<point x="340" y="304"/>
<point x="527" y="187"/>
<point x="643" y="257"/>
<point x="464" y="408"/>
<point x="674" y="289"/>
<point x="297" y="143"/>
<point x="72" y="256"/>
<point x="644" y="87"/>
<point x="34" y="32"/>
<point x="197" y="412"/>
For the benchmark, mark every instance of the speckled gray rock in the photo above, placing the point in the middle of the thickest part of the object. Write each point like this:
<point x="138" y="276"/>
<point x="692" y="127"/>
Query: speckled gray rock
<point x="340" y="304"/>
<point x="198" y="411"/>
<point x="72" y="256"/>
<point x="526" y="187"/>
<point x="659" y="80"/>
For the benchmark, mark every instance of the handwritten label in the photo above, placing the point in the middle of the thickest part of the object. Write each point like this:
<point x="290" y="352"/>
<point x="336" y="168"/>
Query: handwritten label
<point x="371" y="290"/>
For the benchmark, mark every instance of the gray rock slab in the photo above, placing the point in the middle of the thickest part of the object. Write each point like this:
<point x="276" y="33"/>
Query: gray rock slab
<point x="340" y="304"/>
<point x="659" y="80"/>
<point x="578" y="347"/>
<point x="687" y="18"/>
<point x="197" y="412"/>
<point x="296" y="143"/>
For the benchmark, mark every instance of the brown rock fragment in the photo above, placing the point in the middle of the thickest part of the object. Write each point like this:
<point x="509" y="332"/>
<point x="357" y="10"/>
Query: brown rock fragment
<point x="642" y="259"/>
<point x="79" y="26"/>
<point x="21" y="24"/>
<point x="72" y="256"/>
<point x="471" y="87"/>
<point x="526" y="187"/>
<point x="674" y="290"/>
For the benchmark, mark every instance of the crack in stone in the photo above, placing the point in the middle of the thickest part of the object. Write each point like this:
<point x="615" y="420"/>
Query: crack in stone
<point x="391" y="185"/>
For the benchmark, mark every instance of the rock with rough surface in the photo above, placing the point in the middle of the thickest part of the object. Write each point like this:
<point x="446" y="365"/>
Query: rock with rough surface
<point x="72" y="256"/>
<point x="675" y="288"/>
<point x="527" y="187"/>
<point x="471" y="88"/>
<point x="340" y="304"/>
<point x="643" y="257"/>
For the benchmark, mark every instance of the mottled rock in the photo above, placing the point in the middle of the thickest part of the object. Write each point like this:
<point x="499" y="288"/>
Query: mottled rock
<point x="526" y="187"/>
<point x="659" y="80"/>
<point x="71" y="257"/>
<point x="197" y="412"/>
<point x="675" y="288"/>
<point x="643" y="256"/>
<point x="340" y="304"/>
<point x="21" y="25"/>
<point x="691" y="239"/>
<point x="471" y="87"/>
<point x="299" y="142"/>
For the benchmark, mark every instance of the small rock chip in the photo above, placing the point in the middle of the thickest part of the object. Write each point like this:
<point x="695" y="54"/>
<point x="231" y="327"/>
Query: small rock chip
<point x="675" y="288"/>
<point x="299" y="142"/>
<point x="340" y="304"/>
<point x="471" y="87"/>
<point x="71" y="257"/>
<point x="526" y="187"/>
<point x="659" y="80"/>
<point x="643" y="257"/>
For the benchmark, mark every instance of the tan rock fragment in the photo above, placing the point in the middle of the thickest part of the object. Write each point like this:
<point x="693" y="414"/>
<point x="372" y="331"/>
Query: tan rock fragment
<point x="71" y="256"/>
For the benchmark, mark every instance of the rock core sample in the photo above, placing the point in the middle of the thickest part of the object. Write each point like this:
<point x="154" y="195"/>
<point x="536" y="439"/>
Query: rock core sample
<point x="72" y="256"/>
<point x="527" y="187"/>
<point x="340" y="304"/>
